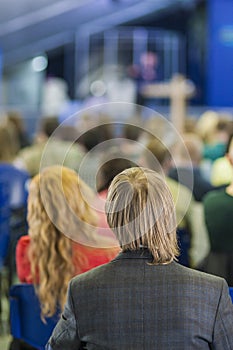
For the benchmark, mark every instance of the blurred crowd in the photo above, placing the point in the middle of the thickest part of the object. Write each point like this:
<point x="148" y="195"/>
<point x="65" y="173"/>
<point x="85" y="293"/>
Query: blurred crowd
<point x="197" y="167"/>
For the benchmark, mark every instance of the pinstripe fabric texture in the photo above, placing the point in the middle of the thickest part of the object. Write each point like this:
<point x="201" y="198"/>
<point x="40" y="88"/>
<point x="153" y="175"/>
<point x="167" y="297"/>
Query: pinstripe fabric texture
<point x="130" y="304"/>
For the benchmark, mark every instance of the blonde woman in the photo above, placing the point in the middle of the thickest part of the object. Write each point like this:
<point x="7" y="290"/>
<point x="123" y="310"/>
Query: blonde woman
<point x="63" y="238"/>
<point x="143" y="299"/>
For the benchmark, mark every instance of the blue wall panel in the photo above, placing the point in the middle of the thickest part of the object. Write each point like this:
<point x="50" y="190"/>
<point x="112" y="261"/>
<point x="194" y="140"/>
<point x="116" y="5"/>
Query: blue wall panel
<point x="220" y="53"/>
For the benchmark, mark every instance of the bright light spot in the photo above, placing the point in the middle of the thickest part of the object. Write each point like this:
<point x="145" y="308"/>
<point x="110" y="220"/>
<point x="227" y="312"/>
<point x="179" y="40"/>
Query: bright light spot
<point x="98" y="88"/>
<point x="39" y="63"/>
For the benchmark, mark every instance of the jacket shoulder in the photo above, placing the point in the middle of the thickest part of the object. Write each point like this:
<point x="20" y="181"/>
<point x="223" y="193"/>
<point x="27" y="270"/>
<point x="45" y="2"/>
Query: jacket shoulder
<point x="198" y="277"/>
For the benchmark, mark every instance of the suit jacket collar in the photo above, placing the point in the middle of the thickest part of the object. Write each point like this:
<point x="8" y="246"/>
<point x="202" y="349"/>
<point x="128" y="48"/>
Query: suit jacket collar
<point x="142" y="253"/>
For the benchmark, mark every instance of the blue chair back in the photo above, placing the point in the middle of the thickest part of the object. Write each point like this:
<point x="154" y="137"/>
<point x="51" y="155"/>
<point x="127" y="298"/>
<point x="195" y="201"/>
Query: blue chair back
<point x="231" y="293"/>
<point x="13" y="213"/>
<point x="17" y="182"/>
<point x="25" y="320"/>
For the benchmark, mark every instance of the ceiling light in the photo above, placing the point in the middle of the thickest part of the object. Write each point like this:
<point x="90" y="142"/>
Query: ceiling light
<point x="39" y="63"/>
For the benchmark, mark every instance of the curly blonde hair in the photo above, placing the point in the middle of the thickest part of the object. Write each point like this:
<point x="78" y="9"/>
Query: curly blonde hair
<point x="57" y="213"/>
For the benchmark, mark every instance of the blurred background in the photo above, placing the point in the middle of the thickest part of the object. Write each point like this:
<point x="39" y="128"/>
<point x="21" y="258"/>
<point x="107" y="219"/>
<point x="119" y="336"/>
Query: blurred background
<point x="60" y="57"/>
<point x="55" y="52"/>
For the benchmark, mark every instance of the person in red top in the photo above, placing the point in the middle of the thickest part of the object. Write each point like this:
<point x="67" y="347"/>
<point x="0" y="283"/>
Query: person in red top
<point x="64" y="239"/>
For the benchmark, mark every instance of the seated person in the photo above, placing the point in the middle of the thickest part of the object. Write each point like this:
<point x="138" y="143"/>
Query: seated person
<point x="214" y="129"/>
<point x="49" y="148"/>
<point x="63" y="238"/>
<point x="218" y="210"/>
<point x="143" y="299"/>
<point x="222" y="171"/>
<point x="188" y="167"/>
<point x="112" y="163"/>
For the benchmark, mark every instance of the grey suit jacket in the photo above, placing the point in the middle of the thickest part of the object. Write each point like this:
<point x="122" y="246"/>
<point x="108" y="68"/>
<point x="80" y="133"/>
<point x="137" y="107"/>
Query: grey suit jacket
<point x="130" y="304"/>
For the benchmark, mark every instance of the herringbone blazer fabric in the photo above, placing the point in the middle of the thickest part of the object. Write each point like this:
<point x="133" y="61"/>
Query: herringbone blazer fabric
<point x="131" y="304"/>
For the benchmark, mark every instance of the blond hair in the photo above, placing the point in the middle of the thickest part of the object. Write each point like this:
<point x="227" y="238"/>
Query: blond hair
<point x="156" y="154"/>
<point x="191" y="149"/>
<point x="9" y="143"/>
<point x="140" y="211"/>
<point x="55" y="206"/>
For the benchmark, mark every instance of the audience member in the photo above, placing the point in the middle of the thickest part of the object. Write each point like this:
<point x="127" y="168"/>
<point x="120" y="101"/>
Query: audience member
<point x="13" y="196"/>
<point x="206" y="126"/>
<point x="187" y="172"/>
<point x="9" y="143"/>
<point x="218" y="149"/>
<point x="190" y="124"/>
<point x="218" y="211"/>
<point x="129" y="143"/>
<point x="112" y="163"/>
<point x="156" y="126"/>
<point x="48" y="150"/>
<point x="214" y="129"/>
<point x="221" y="170"/>
<point x="63" y="237"/>
<point x="95" y="131"/>
<point x="143" y="299"/>
<point x="16" y="118"/>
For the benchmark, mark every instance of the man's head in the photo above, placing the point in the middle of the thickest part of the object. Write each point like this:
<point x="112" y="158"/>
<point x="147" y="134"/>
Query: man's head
<point x="156" y="156"/>
<point x="190" y="150"/>
<point x="110" y="168"/>
<point x="140" y="211"/>
<point x="48" y="125"/>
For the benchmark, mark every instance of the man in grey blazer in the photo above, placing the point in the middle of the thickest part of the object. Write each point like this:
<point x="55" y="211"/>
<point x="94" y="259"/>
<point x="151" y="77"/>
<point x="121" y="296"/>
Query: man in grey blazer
<point x="143" y="299"/>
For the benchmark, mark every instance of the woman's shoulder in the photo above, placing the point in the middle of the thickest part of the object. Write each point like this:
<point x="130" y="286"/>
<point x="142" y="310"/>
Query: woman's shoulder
<point x="24" y="240"/>
<point x="215" y="195"/>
